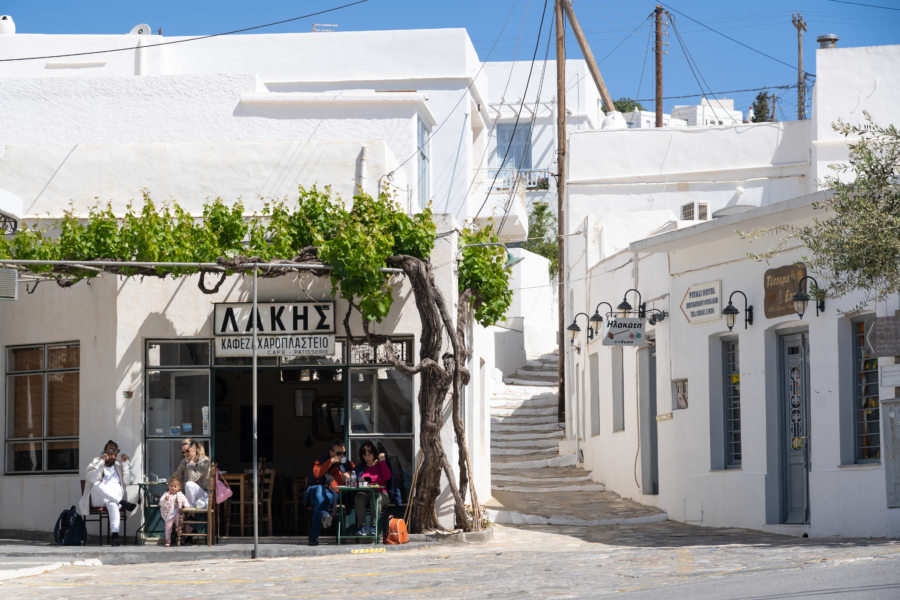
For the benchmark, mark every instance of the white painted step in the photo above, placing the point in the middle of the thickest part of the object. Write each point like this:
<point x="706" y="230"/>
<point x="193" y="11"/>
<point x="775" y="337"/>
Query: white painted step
<point x="516" y="518"/>
<point x="524" y="477"/>
<point x="564" y="460"/>
<point x="536" y="444"/>
<point x="527" y="435"/>
<point x="528" y="382"/>
<point x="508" y="428"/>
<point x="524" y="411"/>
<point x="591" y="487"/>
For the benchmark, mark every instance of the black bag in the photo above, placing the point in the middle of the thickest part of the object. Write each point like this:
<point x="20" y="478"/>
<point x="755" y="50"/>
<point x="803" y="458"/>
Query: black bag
<point x="69" y="529"/>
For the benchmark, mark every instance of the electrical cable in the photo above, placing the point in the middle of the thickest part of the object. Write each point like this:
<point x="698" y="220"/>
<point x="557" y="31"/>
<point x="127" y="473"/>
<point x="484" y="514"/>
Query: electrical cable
<point x="644" y="66"/>
<point x="628" y="37"/>
<point x="519" y="112"/>
<point x="190" y="39"/>
<point x="687" y="53"/>
<point x="464" y="95"/>
<point x="512" y="68"/>
<point x="732" y="39"/>
<point x="759" y="89"/>
<point x="534" y="112"/>
<point x="867" y="5"/>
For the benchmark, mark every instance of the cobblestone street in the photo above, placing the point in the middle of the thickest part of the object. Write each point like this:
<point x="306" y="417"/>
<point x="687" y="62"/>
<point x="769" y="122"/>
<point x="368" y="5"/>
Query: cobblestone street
<point x="640" y="561"/>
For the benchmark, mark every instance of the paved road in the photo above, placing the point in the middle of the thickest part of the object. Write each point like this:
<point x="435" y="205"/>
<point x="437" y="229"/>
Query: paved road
<point x="650" y="560"/>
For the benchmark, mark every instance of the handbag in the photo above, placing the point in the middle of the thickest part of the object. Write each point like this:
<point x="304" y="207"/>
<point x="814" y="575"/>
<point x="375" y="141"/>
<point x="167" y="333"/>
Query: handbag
<point x="223" y="490"/>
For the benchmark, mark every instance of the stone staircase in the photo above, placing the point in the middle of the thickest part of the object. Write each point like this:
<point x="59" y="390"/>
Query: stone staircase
<point x="532" y="483"/>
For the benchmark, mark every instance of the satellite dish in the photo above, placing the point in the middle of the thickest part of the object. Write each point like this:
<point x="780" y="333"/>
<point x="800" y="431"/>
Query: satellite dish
<point x="142" y="29"/>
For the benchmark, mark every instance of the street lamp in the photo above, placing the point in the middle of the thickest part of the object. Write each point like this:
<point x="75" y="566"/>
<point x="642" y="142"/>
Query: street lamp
<point x="596" y="320"/>
<point x="656" y="316"/>
<point x="731" y="311"/>
<point x="574" y="329"/>
<point x="801" y="298"/>
<point x="624" y="307"/>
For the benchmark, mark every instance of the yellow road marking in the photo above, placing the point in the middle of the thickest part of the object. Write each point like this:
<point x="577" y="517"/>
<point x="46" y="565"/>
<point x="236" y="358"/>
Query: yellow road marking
<point x="33" y="583"/>
<point x="366" y="550"/>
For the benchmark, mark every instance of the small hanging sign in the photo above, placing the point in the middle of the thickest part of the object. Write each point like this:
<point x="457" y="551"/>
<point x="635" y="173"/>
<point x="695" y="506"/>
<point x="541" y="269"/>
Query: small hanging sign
<point x="624" y="331"/>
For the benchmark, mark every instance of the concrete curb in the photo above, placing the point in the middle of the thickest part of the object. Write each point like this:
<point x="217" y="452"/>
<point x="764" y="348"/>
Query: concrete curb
<point x="508" y="517"/>
<point x="40" y="569"/>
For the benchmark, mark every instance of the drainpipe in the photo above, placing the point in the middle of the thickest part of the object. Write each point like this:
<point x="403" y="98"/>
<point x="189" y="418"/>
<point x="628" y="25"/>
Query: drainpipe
<point x="361" y="171"/>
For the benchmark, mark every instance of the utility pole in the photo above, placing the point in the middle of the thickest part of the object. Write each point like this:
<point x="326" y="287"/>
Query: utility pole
<point x="560" y="200"/>
<point x="659" y="53"/>
<point x="800" y="24"/>
<point x="588" y="55"/>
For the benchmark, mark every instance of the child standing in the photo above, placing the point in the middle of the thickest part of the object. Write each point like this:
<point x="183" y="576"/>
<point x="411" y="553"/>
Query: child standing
<point x="169" y="504"/>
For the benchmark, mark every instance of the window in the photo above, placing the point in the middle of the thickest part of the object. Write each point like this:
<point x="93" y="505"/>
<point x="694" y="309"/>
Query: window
<point x="424" y="165"/>
<point x="178" y="391"/>
<point x="867" y="438"/>
<point x="618" y="389"/>
<point x="517" y="139"/>
<point x="700" y="212"/>
<point x="679" y="393"/>
<point x="42" y="408"/>
<point x="731" y="395"/>
<point x="687" y="211"/>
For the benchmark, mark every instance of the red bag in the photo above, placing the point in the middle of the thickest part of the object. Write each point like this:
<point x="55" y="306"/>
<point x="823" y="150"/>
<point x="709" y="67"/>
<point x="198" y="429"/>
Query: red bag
<point x="397" y="533"/>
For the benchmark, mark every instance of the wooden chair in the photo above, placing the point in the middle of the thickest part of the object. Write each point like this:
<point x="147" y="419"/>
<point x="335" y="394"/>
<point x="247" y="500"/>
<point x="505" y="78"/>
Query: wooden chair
<point x="99" y="514"/>
<point x="200" y="517"/>
<point x="266" y="491"/>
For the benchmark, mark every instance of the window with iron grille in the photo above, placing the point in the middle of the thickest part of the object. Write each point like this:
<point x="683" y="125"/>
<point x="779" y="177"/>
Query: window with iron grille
<point x="731" y="394"/>
<point x="42" y="408"/>
<point x="867" y="439"/>
<point x="687" y="211"/>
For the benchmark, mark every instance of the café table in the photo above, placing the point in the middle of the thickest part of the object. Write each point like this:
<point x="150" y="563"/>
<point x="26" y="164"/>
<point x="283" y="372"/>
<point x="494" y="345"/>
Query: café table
<point x="153" y="526"/>
<point x="241" y="481"/>
<point x="375" y="492"/>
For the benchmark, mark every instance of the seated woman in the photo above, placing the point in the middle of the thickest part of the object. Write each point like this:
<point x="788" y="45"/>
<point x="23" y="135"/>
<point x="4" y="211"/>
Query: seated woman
<point x="374" y="469"/>
<point x="193" y="470"/>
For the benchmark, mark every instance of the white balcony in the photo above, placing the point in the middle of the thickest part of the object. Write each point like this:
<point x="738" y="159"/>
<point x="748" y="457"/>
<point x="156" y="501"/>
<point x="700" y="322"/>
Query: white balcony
<point x="507" y="201"/>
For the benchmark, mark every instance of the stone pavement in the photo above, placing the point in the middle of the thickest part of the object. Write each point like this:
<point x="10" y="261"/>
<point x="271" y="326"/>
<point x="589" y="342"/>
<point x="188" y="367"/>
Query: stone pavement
<point x="571" y="508"/>
<point x="641" y="560"/>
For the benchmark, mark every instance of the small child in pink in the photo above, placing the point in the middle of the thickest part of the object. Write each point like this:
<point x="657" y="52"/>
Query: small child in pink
<point x="169" y="504"/>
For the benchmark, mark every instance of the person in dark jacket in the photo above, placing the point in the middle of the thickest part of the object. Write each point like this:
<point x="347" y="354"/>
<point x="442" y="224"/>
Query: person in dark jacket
<point x="327" y="473"/>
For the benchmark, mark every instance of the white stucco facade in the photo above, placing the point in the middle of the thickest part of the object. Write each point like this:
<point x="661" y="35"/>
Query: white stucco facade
<point x="244" y="118"/>
<point x="626" y="189"/>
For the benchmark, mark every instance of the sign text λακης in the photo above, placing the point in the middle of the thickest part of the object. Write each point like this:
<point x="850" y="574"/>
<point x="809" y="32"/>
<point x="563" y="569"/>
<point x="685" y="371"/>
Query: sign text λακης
<point x="273" y="318"/>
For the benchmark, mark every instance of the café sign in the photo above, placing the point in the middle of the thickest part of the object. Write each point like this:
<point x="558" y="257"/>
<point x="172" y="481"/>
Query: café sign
<point x="780" y="285"/>
<point x="282" y="328"/>
<point x="624" y="331"/>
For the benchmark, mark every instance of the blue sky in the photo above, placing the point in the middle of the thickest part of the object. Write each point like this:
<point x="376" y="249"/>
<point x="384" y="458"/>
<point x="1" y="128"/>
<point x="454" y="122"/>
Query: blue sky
<point x="617" y="30"/>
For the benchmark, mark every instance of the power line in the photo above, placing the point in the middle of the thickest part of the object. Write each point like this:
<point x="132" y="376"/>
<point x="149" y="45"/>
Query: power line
<point x="727" y="37"/>
<point x="190" y="39"/>
<point x="759" y="89"/>
<point x="458" y="102"/>
<point x="519" y="112"/>
<point x="868" y="5"/>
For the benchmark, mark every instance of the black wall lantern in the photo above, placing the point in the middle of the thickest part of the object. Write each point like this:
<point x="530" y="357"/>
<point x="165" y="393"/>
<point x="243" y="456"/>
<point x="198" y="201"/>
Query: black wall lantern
<point x="801" y="298"/>
<point x="574" y="329"/>
<point x="596" y="320"/>
<point x="656" y="316"/>
<point x="624" y="307"/>
<point x="731" y="311"/>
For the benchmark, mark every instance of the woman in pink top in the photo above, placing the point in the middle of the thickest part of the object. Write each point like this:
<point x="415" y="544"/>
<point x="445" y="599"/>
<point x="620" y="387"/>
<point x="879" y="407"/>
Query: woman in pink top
<point x="373" y="468"/>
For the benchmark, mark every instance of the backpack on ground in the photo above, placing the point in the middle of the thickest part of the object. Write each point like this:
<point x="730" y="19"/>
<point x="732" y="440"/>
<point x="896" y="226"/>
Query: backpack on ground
<point x="70" y="529"/>
<point x="397" y="533"/>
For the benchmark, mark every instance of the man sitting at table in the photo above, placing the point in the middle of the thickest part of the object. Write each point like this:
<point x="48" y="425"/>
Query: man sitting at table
<point x="327" y="473"/>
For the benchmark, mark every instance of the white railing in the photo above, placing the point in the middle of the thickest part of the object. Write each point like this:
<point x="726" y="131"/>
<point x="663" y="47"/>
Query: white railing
<point x="534" y="179"/>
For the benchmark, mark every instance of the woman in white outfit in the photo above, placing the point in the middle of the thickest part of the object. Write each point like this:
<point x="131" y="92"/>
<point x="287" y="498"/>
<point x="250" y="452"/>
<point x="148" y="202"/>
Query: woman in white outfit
<point x="193" y="470"/>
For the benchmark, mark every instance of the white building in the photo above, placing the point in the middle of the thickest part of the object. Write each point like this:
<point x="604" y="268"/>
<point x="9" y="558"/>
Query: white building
<point x="638" y="119"/>
<point x="718" y="111"/>
<point x="244" y="118"/>
<point x="778" y="426"/>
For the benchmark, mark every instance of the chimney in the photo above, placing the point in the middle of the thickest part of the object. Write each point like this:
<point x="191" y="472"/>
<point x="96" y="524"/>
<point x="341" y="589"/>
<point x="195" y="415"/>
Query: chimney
<point x="828" y="40"/>
<point x="7" y="25"/>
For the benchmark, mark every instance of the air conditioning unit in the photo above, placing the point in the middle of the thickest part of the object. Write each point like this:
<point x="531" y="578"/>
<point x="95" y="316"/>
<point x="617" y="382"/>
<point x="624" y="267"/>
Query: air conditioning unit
<point x="695" y="212"/>
<point x="9" y="280"/>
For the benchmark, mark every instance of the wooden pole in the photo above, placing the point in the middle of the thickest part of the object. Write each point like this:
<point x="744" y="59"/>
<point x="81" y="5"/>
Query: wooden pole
<point x="800" y="24"/>
<point x="586" y="52"/>
<point x="659" y="76"/>
<point x="560" y="200"/>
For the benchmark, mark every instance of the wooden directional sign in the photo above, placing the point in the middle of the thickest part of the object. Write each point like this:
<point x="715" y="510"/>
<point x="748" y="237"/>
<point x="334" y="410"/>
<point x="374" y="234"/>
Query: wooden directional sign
<point x="780" y="285"/>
